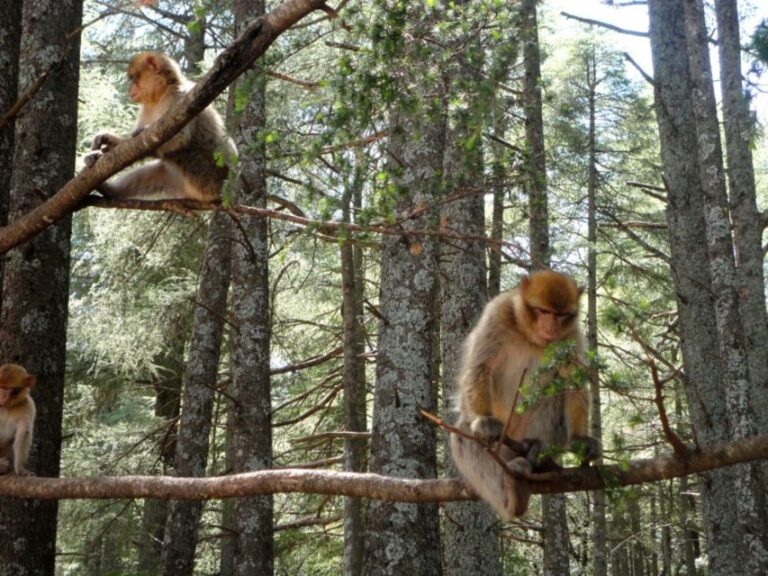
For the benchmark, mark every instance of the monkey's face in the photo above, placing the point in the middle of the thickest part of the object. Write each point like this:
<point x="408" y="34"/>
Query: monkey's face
<point x="551" y="325"/>
<point x="14" y="383"/>
<point x="551" y="305"/>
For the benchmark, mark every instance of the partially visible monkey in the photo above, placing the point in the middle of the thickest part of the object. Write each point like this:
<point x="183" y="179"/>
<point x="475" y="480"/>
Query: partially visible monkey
<point x="17" y="419"/>
<point x="193" y="164"/>
<point x="505" y="347"/>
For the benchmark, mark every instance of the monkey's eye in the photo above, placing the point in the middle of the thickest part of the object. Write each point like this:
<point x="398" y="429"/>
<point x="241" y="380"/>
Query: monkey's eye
<point x="12" y="391"/>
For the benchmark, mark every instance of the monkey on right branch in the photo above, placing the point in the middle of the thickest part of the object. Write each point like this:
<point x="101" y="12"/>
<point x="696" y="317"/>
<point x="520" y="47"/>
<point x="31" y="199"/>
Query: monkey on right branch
<point x="503" y="352"/>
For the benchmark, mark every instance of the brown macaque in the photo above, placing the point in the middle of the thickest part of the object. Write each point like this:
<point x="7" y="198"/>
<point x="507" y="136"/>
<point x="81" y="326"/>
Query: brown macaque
<point x="193" y="164"/>
<point x="501" y="353"/>
<point x="17" y="419"/>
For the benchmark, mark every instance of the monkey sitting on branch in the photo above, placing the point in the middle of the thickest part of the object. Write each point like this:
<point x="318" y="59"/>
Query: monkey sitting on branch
<point x="17" y="419"/>
<point x="193" y="164"/>
<point x="505" y="352"/>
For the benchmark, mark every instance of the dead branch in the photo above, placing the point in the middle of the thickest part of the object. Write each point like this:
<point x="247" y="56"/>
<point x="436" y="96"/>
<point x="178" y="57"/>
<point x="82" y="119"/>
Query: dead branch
<point x="230" y="64"/>
<point x="600" y="24"/>
<point x="375" y="486"/>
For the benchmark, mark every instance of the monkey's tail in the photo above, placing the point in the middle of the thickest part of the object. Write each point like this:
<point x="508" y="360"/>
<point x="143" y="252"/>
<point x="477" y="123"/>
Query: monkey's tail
<point x="508" y="496"/>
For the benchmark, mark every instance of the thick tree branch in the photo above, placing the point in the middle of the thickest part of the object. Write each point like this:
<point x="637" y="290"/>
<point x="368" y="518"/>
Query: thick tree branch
<point x="230" y="64"/>
<point x="372" y="485"/>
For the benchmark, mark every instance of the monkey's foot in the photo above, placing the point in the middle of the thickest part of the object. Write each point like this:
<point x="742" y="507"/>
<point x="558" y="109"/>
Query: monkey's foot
<point x="5" y="466"/>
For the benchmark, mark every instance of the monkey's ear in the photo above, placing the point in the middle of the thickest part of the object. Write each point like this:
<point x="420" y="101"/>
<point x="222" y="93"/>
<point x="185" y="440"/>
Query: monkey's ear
<point x="581" y="289"/>
<point x="151" y="61"/>
<point x="30" y="380"/>
<point x="525" y="281"/>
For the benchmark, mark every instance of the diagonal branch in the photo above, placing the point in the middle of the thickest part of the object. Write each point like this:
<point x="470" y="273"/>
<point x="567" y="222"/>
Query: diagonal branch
<point x="375" y="486"/>
<point x="230" y="64"/>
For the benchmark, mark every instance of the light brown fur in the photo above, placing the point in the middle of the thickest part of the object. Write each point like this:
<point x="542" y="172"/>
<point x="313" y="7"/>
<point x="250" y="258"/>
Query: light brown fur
<point x="190" y="162"/>
<point x="17" y="419"/>
<point x="503" y="350"/>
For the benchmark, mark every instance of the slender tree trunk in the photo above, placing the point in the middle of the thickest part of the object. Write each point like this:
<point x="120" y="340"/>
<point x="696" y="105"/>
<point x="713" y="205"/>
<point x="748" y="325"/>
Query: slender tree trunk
<point x="404" y="538"/>
<point x="535" y="170"/>
<point x="251" y="311"/>
<point x="599" y="530"/>
<point x="167" y="386"/>
<point x="556" y="540"/>
<point x="33" y="318"/>
<point x="10" y="38"/>
<point x="747" y="225"/>
<point x="353" y="378"/>
<point x="200" y="377"/>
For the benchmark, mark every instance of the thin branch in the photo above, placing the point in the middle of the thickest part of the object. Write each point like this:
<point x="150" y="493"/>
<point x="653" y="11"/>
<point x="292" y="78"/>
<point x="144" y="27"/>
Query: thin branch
<point x="605" y="25"/>
<point x="375" y="486"/>
<point x="677" y="444"/>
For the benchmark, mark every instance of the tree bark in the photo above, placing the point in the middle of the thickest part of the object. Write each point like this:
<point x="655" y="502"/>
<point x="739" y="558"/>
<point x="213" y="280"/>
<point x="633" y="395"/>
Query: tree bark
<point x="472" y="529"/>
<point x="33" y="318"/>
<point x="353" y="378"/>
<point x="747" y="225"/>
<point x="10" y="38"/>
<point x="692" y="276"/>
<point x="750" y="488"/>
<point x="251" y="335"/>
<point x="199" y="384"/>
<point x="404" y="539"/>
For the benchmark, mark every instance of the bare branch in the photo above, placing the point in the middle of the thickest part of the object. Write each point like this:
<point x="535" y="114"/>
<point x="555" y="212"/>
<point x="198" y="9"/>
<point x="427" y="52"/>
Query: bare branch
<point x="605" y="25"/>
<point x="373" y="485"/>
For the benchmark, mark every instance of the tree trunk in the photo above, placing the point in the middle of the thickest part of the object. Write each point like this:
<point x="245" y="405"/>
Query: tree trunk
<point x="534" y="169"/>
<point x="556" y="541"/>
<point x="353" y="378"/>
<point x="599" y="530"/>
<point x="750" y="487"/>
<point x="167" y="386"/>
<point x="692" y="277"/>
<point x="10" y="37"/>
<point x="747" y="225"/>
<point x="33" y="319"/>
<point x="200" y="378"/>
<point x="251" y="312"/>
<point x="471" y="533"/>
<point x="404" y="538"/>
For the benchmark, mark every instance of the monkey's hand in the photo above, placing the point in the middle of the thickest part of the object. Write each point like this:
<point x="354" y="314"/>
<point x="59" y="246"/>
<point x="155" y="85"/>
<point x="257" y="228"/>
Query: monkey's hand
<point x="586" y="448"/>
<point x="105" y="141"/>
<point x="92" y="156"/>
<point x="5" y="466"/>
<point x="487" y="428"/>
<point x="24" y="472"/>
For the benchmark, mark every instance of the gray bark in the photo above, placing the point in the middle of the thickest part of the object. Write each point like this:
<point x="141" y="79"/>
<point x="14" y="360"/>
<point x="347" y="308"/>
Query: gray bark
<point x="33" y="318"/>
<point x="200" y="378"/>
<point x="10" y="38"/>
<point x="747" y="225"/>
<point x="251" y="334"/>
<point x="404" y="538"/>
<point x="750" y="487"/>
<point x="692" y="277"/>
<point x="472" y="531"/>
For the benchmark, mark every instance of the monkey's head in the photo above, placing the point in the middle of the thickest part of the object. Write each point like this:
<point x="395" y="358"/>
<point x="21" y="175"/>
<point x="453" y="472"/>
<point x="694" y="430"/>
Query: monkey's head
<point x="551" y="308"/>
<point x="15" y="383"/>
<point x="152" y="74"/>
